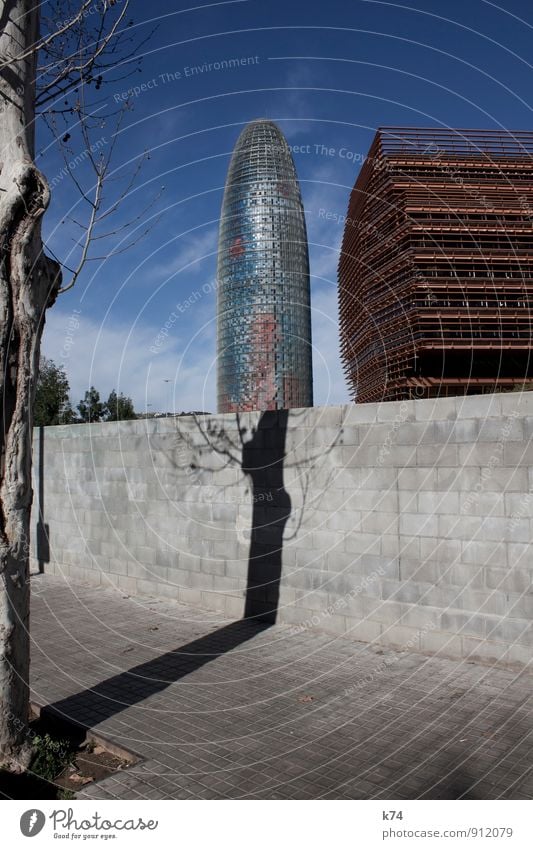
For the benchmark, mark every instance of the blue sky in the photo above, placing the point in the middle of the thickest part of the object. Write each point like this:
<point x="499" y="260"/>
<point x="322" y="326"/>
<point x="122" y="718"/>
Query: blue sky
<point x="143" y="321"/>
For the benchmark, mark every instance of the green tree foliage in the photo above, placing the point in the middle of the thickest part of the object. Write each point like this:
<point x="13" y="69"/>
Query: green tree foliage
<point x="90" y="407"/>
<point x="52" y="405"/>
<point x="119" y="407"/>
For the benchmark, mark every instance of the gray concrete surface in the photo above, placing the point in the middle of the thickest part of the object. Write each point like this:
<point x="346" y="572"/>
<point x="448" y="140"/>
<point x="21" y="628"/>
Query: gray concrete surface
<point x="227" y="709"/>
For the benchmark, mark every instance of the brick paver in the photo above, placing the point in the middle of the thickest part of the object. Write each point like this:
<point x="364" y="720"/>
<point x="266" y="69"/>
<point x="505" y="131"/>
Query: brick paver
<point x="220" y="709"/>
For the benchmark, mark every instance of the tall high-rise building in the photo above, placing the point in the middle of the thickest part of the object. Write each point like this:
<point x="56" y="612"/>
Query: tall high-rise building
<point x="436" y="268"/>
<point x="263" y="311"/>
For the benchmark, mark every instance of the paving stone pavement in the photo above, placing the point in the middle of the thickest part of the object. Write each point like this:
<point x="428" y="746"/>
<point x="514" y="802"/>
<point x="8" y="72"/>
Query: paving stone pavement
<point x="219" y="709"/>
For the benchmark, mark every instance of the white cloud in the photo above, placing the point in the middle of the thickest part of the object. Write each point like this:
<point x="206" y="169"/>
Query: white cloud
<point x="117" y="356"/>
<point x="192" y="253"/>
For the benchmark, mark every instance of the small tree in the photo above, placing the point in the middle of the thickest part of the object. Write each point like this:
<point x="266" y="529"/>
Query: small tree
<point x="52" y="405"/>
<point x="119" y="407"/>
<point x="90" y="407"/>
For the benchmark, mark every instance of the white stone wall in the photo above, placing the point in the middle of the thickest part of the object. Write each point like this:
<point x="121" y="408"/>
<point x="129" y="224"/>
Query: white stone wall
<point x="410" y="522"/>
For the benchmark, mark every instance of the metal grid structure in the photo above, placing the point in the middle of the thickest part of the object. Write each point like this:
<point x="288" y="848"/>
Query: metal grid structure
<point x="263" y="311"/>
<point x="436" y="268"/>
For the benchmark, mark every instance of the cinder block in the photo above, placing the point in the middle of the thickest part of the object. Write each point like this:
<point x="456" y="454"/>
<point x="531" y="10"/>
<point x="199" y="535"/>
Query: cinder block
<point x="147" y="588"/>
<point x="330" y="499"/>
<point x="416" y="570"/>
<point x="213" y="601"/>
<point x="312" y="557"/>
<point x="437" y="455"/>
<point x="409" y="592"/>
<point x="312" y="600"/>
<point x="478" y="406"/>
<point x="515" y="530"/>
<point x="409" y="547"/>
<point x="518" y="454"/>
<point x="424" y="617"/>
<point x="434" y="409"/>
<point x="364" y="632"/>
<point x="484" y="553"/>
<point x="390" y="545"/>
<point x="407" y="501"/>
<point x="127" y="585"/>
<point x="506" y="630"/>
<point x="291" y="615"/>
<point x="379" y="522"/>
<point x="479" y="503"/>
<point x="438" y="642"/>
<point x="465" y="430"/>
<point x="144" y="554"/>
<point x="189" y="596"/>
<point x="353" y="607"/>
<point x="478" y="601"/>
<point x="340" y="561"/>
<point x="390" y="411"/>
<point x="415" y="479"/>
<point x="213" y="566"/>
<point x="484" y="454"/>
<point x="350" y="435"/>
<point x="465" y="575"/>
<point x="186" y="562"/>
<point x="368" y="500"/>
<point x="483" y="650"/>
<point x="319" y="417"/>
<point x="438" y="502"/>
<point x="287" y="596"/>
<point x="237" y="569"/>
<point x="327" y="541"/>
<point x="359" y="543"/>
<point x="460" y="527"/>
<point x="464" y="623"/>
<point x="518" y="505"/>
<point x="420" y="525"/>
<point x="517" y="403"/>
<point x="230" y="586"/>
<point x="384" y="611"/>
<point x="200" y="580"/>
<point x="356" y="414"/>
<point x="137" y="570"/>
<point x="441" y="596"/>
<point x="518" y="655"/>
<point x="342" y="521"/>
<point x="401" y="637"/>
<point x="514" y="479"/>
<point x="446" y="551"/>
<point x="416" y="433"/>
<point x="510" y="429"/>
<point x="197" y="546"/>
<point x="520" y="607"/>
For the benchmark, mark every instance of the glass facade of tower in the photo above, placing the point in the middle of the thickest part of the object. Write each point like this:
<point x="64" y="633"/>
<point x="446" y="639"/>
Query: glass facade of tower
<point x="263" y="311"/>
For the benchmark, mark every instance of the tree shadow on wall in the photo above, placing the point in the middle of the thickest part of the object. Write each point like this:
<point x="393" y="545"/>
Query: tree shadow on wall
<point x="262" y="462"/>
<point x="271" y="509"/>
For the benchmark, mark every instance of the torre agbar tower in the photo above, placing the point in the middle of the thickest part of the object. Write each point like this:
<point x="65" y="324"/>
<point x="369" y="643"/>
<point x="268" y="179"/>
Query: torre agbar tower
<point x="263" y="311"/>
<point x="436" y="268"/>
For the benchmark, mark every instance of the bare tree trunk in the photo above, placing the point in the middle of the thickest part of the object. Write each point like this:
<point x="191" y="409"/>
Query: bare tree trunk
<point x="28" y="285"/>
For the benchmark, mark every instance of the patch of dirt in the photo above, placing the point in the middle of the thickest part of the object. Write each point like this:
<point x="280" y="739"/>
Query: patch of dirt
<point x="92" y="763"/>
<point x="91" y="759"/>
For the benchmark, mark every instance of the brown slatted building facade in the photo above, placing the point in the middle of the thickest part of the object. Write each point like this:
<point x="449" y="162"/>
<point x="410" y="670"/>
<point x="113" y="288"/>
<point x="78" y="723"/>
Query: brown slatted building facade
<point x="436" y="268"/>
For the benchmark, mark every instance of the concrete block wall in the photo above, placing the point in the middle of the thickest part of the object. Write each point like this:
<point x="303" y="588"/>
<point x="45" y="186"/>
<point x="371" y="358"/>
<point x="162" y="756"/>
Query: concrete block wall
<point x="408" y="524"/>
